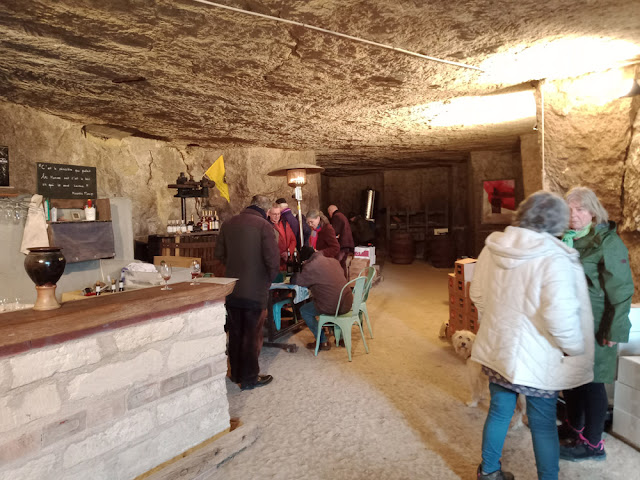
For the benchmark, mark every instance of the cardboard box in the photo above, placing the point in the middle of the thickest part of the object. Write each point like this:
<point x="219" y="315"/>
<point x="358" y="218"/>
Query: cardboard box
<point x="627" y="399"/>
<point x="357" y="264"/>
<point x="365" y="252"/>
<point x="629" y="371"/>
<point x="456" y="322"/>
<point x="632" y="347"/>
<point x="472" y="323"/>
<point x="464" y="269"/>
<point x="626" y="426"/>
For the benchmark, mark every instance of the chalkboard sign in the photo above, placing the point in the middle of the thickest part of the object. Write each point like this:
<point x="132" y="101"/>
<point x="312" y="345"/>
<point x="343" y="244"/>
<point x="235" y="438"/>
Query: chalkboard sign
<point x="66" y="181"/>
<point x="4" y="166"/>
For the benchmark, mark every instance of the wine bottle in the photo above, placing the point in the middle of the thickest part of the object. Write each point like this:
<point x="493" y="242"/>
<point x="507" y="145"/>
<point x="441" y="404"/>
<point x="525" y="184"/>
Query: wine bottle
<point x="216" y="222"/>
<point x="121" y="284"/>
<point x="190" y="225"/>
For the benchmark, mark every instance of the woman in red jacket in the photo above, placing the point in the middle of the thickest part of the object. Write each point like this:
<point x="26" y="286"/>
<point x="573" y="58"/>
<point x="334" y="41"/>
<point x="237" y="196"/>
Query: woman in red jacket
<point x="323" y="236"/>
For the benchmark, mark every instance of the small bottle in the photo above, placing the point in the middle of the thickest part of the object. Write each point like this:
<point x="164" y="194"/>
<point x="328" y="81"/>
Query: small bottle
<point x="89" y="211"/>
<point x="289" y="263"/>
<point x="296" y="263"/>
<point x="190" y="225"/>
<point x="205" y="221"/>
<point x="183" y="227"/>
<point x="121" y="284"/>
<point x="98" y="289"/>
<point x="113" y="286"/>
<point x="169" y="226"/>
<point x="216" y="222"/>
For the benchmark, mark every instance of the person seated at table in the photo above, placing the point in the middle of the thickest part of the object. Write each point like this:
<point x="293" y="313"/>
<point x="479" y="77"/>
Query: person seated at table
<point x="323" y="236"/>
<point x="325" y="278"/>
<point x="286" y="237"/>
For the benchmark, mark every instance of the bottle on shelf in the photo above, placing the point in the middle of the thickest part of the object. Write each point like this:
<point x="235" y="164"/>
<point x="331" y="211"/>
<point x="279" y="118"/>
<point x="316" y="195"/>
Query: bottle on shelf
<point x="190" y="225"/>
<point x="216" y="221"/>
<point x="183" y="227"/>
<point x="205" y="222"/>
<point x="169" y="226"/>
<point x="113" y="285"/>
<point x="121" y="284"/>
<point x="98" y="289"/>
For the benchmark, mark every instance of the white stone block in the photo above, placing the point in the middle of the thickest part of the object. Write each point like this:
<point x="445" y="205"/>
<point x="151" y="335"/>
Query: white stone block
<point x="185" y="355"/>
<point x="119" y="435"/>
<point x="44" y="362"/>
<point x="97" y="471"/>
<point x="135" y="337"/>
<point x="37" y="469"/>
<point x="629" y="371"/>
<point x="18" y="410"/>
<point x="627" y="426"/>
<point x="206" y="319"/>
<point x="114" y="376"/>
<point x="173" y="440"/>
<point x="185" y="402"/>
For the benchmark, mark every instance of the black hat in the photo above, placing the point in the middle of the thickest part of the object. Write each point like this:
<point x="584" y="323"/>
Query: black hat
<point x="281" y="200"/>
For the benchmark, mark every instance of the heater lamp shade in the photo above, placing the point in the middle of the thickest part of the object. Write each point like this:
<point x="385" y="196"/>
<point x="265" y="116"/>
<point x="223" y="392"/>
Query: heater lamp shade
<point x="296" y="174"/>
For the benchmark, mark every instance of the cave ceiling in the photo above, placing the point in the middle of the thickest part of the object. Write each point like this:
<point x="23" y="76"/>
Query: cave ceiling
<point x="192" y="73"/>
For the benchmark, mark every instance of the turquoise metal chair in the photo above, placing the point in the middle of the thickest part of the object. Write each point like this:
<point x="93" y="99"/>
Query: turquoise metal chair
<point x="277" y="311"/>
<point x="369" y="273"/>
<point x="344" y="322"/>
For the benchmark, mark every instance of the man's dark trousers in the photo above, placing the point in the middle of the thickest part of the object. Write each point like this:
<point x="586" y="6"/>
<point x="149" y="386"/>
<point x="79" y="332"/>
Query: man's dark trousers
<point x="245" y="342"/>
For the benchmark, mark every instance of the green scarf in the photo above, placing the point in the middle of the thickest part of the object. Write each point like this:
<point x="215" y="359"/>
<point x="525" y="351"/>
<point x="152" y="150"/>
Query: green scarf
<point x="572" y="235"/>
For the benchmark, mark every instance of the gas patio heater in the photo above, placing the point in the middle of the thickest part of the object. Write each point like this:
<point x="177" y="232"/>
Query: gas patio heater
<point x="297" y="177"/>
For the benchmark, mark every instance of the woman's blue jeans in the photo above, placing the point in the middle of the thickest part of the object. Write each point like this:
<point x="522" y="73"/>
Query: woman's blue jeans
<point x="542" y="422"/>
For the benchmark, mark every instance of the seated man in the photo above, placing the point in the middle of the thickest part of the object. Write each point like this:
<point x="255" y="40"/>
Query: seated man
<point x="325" y="278"/>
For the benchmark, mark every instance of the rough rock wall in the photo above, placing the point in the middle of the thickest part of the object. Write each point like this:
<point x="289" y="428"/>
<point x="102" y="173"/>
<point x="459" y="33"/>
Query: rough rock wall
<point x="490" y="165"/>
<point x="141" y="169"/>
<point x="531" y="163"/>
<point x="413" y="189"/>
<point x="586" y="144"/>
<point x="345" y="192"/>
<point x="596" y="145"/>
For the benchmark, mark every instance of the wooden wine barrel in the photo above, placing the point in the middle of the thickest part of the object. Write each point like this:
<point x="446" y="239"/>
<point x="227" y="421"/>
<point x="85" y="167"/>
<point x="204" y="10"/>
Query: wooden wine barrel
<point x="442" y="251"/>
<point x="403" y="248"/>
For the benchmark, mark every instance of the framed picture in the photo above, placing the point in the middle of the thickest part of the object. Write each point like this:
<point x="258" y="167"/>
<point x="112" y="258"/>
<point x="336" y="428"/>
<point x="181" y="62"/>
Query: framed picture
<point x="498" y="201"/>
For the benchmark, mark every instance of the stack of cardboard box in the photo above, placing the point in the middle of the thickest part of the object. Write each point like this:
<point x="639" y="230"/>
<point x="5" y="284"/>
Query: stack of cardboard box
<point x="462" y="312"/>
<point x="626" y="404"/>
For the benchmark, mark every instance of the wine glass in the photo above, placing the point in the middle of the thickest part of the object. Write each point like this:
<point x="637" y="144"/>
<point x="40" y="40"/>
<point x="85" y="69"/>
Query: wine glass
<point x="165" y="272"/>
<point x="195" y="272"/>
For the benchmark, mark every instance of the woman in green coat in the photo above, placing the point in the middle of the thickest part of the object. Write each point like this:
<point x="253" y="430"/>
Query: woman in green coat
<point x="605" y="260"/>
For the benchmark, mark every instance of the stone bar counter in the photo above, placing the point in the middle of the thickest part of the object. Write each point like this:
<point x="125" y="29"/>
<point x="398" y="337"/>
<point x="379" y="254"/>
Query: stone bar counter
<point x="110" y="387"/>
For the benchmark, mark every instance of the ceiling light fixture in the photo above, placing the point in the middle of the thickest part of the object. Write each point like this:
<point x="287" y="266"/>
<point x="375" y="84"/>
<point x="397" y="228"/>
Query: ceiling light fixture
<point x="338" y="34"/>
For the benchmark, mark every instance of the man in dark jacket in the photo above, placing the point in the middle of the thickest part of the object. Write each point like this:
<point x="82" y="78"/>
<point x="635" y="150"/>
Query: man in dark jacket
<point x="248" y="248"/>
<point x="325" y="278"/>
<point x="340" y="224"/>
<point x="287" y="216"/>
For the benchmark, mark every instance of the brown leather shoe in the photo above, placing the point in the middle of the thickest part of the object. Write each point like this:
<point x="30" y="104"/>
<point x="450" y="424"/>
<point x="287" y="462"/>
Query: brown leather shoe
<point x="323" y="346"/>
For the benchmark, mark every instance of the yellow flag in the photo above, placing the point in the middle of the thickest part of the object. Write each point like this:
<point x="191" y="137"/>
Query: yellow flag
<point x="216" y="173"/>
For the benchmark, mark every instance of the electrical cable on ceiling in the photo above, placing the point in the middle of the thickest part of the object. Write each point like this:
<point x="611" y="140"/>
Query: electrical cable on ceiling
<point x="338" y="34"/>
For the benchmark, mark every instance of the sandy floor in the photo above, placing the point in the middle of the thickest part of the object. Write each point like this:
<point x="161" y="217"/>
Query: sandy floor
<point x="396" y="413"/>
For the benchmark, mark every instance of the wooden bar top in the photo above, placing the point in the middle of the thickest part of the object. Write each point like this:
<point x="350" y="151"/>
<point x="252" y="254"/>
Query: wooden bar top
<point x="27" y="329"/>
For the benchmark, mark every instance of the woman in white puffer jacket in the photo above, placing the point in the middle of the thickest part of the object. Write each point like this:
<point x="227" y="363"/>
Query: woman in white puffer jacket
<point x="536" y="329"/>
